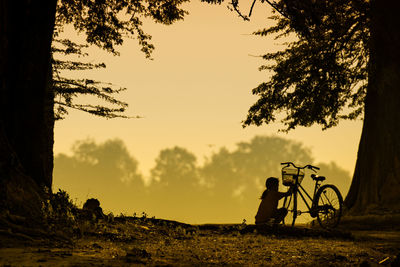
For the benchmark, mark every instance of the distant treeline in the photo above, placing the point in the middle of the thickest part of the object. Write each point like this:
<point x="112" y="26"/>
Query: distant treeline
<point x="225" y="188"/>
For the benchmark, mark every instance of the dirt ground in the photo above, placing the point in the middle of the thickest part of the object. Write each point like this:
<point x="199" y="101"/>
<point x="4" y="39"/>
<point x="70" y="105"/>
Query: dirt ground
<point x="131" y="241"/>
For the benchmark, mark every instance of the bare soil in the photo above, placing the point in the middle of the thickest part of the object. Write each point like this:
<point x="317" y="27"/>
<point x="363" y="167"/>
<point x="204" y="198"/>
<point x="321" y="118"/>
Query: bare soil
<point x="128" y="241"/>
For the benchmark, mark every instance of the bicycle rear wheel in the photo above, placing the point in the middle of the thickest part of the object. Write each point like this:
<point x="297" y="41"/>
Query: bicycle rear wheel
<point x="290" y="203"/>
<point x="329" y="204"/>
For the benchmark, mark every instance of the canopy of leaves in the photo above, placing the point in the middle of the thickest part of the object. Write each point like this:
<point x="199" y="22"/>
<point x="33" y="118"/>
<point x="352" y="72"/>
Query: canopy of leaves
<point x="105" y="23"/>
<point x="321" y="76"/>
<point x="67" y="90"/>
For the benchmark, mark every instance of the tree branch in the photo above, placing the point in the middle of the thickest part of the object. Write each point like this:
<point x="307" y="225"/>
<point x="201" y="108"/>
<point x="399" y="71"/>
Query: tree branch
<point x="277" y="9"/>
<point x="234" y="4"/>
<point x="251" y="8"/>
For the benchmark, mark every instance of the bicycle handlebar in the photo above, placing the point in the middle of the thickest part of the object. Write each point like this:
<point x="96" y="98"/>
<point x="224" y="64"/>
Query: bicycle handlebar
<point x="311" y="167"/>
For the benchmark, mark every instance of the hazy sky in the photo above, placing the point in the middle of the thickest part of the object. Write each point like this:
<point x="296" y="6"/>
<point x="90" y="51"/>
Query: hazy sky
<point x="195" y="92"/>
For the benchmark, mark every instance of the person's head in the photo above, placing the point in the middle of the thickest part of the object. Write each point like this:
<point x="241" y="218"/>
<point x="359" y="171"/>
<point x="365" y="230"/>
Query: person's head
<point x="272" y="184"/>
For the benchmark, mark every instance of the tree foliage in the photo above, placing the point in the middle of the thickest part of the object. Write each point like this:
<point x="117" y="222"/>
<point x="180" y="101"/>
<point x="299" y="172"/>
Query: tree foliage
<point x="110" y="159"/>
<point x="105" y="24"/>
<point x="321" y="76"/>
<point x="102" y="170"/>
<point x="242" y="172"/>
<point x="339" y="62"/>
<point x="67" y="90"/>
<point x="175" y="168"/>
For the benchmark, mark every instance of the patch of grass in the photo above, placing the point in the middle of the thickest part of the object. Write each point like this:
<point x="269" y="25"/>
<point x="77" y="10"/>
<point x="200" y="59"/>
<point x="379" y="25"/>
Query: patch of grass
<point x="60" y="212"/>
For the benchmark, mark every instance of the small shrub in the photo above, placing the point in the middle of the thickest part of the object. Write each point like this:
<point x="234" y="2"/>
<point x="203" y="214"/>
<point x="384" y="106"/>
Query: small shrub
<point x="60" y="211"/>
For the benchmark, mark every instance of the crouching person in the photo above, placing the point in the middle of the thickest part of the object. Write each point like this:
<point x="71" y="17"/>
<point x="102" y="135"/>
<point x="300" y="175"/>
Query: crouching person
<point x="268" y="210"/>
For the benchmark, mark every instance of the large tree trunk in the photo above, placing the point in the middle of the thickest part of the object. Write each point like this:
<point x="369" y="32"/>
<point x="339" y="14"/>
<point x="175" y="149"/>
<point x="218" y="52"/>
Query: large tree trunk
<point x="376" y="181"/>
<point x="26" y="96"/>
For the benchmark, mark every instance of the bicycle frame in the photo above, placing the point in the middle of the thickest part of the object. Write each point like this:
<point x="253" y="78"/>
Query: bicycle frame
<point x="328" y="212"/>
<point x="299" y="189"/>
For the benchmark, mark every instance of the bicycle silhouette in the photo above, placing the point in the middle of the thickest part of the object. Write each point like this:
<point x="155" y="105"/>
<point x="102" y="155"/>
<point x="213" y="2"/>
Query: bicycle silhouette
<point x="326" y="201"/>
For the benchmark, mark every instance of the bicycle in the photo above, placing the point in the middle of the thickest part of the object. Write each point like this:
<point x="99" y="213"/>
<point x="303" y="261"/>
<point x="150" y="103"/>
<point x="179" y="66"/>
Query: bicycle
<point x="326" y="202"/>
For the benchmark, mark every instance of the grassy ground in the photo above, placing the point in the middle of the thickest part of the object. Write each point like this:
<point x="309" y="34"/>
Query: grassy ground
<point x="127" y="241"/>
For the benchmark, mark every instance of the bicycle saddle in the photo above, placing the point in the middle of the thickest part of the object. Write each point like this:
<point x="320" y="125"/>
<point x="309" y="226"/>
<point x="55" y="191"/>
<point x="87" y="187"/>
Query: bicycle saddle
<point x="317" y="177"/>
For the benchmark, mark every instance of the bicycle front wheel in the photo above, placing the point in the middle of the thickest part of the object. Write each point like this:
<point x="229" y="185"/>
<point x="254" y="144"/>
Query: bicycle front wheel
<point x="290" y="203"/>
<point x="329" y="204"/>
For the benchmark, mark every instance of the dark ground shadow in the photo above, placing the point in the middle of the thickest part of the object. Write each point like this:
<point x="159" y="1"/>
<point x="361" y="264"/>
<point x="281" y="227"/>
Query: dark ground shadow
<point x="124" y="241"/>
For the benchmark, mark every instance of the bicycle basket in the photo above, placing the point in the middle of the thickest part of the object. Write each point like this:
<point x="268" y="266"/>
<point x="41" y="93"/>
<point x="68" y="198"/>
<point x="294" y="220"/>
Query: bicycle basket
<point x="288" y="176"/>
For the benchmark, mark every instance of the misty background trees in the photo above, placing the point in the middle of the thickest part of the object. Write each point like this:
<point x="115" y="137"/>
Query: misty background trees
<point x="224" y="187"/>
<point x="107" y="168"/>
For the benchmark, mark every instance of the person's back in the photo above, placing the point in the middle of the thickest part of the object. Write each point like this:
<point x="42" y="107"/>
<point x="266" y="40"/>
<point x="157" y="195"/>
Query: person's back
<point x="268" y="208"/>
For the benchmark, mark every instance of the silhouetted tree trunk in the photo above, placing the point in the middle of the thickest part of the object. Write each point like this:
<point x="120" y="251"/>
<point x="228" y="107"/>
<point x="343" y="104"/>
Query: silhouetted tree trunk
<point x="376" y="181"/>
<point x="26" y="97"/>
